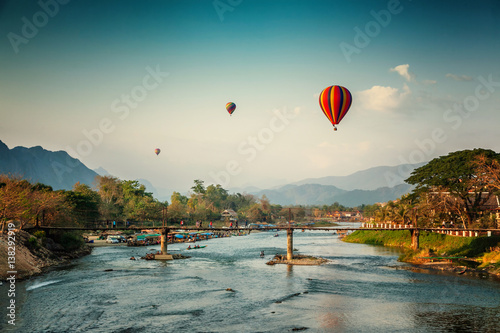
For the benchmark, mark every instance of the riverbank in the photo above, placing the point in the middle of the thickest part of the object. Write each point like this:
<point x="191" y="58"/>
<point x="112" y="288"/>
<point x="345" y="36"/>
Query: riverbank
<point x="34" y="255"/>
<point x="474" y="255"/>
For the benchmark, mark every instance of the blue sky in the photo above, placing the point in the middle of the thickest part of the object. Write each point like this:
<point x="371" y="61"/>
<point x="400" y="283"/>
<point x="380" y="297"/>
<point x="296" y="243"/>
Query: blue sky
<point x="111" y="81"/>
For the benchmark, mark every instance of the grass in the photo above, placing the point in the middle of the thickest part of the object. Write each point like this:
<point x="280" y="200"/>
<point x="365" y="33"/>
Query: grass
<point x="431" y="244"/>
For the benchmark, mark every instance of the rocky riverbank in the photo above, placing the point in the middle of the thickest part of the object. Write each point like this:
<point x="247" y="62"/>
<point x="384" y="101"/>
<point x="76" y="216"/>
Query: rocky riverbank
<point x="34" y="255"/>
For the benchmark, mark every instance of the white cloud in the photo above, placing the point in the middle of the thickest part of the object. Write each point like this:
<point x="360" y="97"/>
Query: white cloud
<point x="429" y="82"/>
<point x="459" y="77"/>
<point x="383" y="99"/>
<point x="404" y="72"/>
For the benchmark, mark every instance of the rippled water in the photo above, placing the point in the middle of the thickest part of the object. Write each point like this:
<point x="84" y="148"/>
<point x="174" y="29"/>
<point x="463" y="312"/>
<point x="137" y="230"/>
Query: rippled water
<point x="362" y="289"/>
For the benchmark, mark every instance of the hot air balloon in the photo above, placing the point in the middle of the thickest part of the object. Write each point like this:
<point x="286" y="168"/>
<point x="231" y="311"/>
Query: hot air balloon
<point x="157" y="151"/>
<point x="335" y="101"/>
<point x="230" y="107"/>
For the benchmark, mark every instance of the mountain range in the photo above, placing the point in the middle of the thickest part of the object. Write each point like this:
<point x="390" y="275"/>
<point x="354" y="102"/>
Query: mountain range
<point x="38" y="165"/>
<point x="377" y="184"/>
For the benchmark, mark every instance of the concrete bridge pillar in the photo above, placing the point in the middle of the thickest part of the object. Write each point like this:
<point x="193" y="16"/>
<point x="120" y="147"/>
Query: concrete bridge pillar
<point x="164" y="240"/>
<point x="415" y="233"/>
<point x="289" y="244"/>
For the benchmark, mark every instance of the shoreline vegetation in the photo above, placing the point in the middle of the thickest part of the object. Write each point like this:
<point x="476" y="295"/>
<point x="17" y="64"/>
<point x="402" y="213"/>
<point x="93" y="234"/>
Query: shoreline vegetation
<point x="35" y="253"/>
<point x="462" y="255"/>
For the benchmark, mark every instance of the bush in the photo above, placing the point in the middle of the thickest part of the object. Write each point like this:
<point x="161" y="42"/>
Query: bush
<point x="33" y="243"/>
<point x="40" y="234"/>
<point x="71" y="241"/>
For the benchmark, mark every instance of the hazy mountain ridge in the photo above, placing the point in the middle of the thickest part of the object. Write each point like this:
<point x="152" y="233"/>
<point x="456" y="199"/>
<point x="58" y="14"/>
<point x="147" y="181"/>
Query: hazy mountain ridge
<point x="61" y="171"/>
<point x="54" y="168"/>
<point x="316" y="194"/>
<point x="368" y="179"/>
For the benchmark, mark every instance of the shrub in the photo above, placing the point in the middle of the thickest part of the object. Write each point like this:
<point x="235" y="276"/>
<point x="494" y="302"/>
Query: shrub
<point x="71" y="241"/>
<point x="39" y="234"/>
<point x="33" y="243"/>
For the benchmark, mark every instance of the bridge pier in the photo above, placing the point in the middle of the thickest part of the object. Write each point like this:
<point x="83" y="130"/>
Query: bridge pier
<point x="415" y="233"/>
<point x="164" y="241"/>
<point x="289" y="244"/>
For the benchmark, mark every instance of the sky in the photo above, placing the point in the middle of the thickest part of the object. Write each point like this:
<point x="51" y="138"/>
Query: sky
<point x="111" y="81"/>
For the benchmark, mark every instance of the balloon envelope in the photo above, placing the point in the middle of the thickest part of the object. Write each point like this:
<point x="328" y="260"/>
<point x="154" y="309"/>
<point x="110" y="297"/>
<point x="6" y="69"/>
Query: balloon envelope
<point x="230" y="107"/>
<point x="335" y="101"/>
<point x="157" y="151"/>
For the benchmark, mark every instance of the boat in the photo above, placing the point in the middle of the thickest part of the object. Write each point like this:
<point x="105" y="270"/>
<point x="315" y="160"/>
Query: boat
<point x="196" y="247"/>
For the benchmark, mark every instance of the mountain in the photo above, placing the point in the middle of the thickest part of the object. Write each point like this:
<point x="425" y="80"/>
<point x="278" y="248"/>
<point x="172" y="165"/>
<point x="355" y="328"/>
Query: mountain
<point x="54" y="168"/>
<point x="369" y="179"/>
<point x="377" y="184"/>
<point x="102" y="172"/>
<point x="315" y="194"/>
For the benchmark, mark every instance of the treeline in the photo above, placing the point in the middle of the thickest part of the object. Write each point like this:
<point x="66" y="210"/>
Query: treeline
<point x="460" y="189"/>
<point x="126" y="202"/>
<point x="112" y="199"/>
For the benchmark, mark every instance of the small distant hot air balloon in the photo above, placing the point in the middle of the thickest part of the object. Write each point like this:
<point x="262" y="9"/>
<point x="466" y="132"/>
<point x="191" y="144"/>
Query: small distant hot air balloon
<point x="157" y="151"/>
<point x="335" y="101"/>
<point x="230" y="107"/>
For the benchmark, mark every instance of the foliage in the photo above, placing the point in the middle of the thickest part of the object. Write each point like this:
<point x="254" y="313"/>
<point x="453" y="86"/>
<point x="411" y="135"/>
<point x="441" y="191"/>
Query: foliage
<point x="39" y="234"/>
<point x="26" y="203"/>
<point x="429" y="242"/>
<point x="71" y="241"/>
<point x="454" y="184"/>
<point x="32" y="243"/>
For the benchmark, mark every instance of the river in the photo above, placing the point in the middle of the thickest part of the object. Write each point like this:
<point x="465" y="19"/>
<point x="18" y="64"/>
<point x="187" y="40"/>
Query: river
<point x="362" y="289"/>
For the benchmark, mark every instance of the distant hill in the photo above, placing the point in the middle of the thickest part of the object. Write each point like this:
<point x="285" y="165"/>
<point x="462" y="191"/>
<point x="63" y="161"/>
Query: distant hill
<point x="315" y="194"/>
<point x="369" y="179"/>
<point x="377" y="184"/>
<point x="54" y="168"/>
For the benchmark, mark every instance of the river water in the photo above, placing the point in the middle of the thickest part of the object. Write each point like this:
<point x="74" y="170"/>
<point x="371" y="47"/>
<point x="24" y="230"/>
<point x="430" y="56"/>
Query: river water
<point x="362" y="289"/>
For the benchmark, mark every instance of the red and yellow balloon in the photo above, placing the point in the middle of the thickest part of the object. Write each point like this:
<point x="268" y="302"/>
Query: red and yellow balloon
<point x="157" y="151"/>
<point x="335" y="101"/>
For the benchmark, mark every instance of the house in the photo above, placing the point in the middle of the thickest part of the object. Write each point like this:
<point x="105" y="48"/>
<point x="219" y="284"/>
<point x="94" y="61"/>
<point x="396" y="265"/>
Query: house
<point x="229" y="214"/>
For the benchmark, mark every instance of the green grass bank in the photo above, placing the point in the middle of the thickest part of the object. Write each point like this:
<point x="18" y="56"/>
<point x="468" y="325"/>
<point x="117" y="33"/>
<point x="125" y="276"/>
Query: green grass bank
<point x="484" y="250"/>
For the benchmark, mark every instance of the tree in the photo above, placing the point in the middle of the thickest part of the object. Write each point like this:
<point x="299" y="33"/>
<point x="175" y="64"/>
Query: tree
<point x="26" y="203"/>
<point x="216" y="197"/>
<point x="488" y="172"/>
<point x="112" y="198"/>
<point x="198" y="187"/>
<point x="177" y="210"/>
<point x="456" y="175"/>
<point x="84" y="201"/>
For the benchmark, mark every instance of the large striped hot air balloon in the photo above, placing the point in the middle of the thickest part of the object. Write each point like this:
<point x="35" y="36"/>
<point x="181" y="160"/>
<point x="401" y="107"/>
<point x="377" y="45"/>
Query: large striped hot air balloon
<point x="230" y="107"/>
<point x="157" y="151"/>
<point x="335" y="101"/>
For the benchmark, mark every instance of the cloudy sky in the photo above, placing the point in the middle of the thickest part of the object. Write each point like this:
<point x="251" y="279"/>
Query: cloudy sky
<point x="110" y="81"/>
